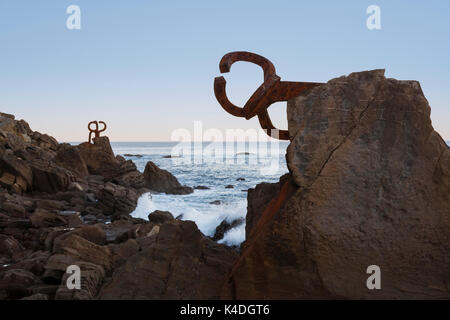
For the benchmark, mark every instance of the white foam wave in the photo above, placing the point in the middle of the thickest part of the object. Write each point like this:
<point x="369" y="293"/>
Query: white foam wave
<point x="206" y="216"/>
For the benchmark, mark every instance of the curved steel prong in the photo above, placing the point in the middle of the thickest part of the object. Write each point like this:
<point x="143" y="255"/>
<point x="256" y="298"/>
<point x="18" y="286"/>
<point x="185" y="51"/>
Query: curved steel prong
<point x="96" y="126"/>
<point x="104" y="126"/>
<point x="267" y="125"/>
<point x="221" y="96"/>
<point x="270" y="91"/>
<point x="95" y="131"/>
<point x="227" y="61"/>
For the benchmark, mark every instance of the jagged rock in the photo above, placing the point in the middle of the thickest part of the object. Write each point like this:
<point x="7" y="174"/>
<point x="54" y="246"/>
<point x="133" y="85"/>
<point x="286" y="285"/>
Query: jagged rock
<point x="10" y="248"/>
<point x="99" y="157"/>
<point x="69" y="157"/>
<point x="160" y="216"/>
<point x="47" y="177"/>
<point x="92" y="233"/>
<point x="55" y="268"/>
<point x="81" y="249"/>
<point x="374" y="181"/>
<point x="146" y="230"/>
<point x="13" y="166"/>
<point x="224" y="226"/>
<point x="177" y="263"/>
<point x="163" y="181"/>
<point x="117" y="200"/>
<point x="119" y="231"/>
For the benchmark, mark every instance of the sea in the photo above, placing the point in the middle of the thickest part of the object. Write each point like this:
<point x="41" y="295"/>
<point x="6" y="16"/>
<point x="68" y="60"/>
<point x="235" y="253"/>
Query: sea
<point x="214" y="165"/>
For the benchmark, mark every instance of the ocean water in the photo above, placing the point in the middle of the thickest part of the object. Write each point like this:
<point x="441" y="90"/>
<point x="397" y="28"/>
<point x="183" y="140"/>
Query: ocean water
<point x="214" y="165"/>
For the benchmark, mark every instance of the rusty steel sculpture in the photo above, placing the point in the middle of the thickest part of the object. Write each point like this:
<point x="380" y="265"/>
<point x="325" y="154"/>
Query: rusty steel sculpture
<point x="96" y="131"/>
<point x="272" y="90"/>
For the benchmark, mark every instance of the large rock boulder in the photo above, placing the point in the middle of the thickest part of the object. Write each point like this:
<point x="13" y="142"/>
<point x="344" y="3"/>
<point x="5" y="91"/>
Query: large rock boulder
<point x="373" y="182"/>
<point x="161" y="180"/>
<point x="99" y="157"/>
<point x="117" y="200"/>
<point x="69" y="157"/>
<point x="177" y="262"/>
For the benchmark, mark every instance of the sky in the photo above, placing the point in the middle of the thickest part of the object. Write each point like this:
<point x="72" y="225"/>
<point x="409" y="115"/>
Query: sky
<point x="146" y="68"/>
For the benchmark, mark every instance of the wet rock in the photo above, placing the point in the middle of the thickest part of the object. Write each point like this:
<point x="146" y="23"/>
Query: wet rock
<point x="146" y="230"/>
<point x="229" y="186"/>
<point x="178" y="263"/>
<point x="216" y="202"/>
<point x="201" y="188"/>
<point x="240" y="179"/>
<point x="119" y="231"/>
<point x="373" y="181"/>
<point x="225" y="226"/>
<point x="160" y="216"/>
<point x="133" y="155"/>
<point x="163" y="181"/>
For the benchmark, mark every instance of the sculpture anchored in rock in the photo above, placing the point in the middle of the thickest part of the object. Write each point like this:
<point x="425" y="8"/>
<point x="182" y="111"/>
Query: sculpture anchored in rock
<point x="96" y="131"/>
<point x="272" y="90"/>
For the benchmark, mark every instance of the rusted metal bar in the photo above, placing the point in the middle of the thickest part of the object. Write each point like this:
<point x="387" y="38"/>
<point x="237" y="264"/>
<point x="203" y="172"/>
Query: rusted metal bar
<point x="270" y="91"/>
<point x="95" y="131"/>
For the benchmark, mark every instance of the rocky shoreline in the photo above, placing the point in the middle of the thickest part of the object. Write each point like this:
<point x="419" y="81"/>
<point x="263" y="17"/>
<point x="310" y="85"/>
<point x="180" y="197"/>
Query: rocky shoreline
<point x="64" y="205"/>
<point x="368" y="184"/>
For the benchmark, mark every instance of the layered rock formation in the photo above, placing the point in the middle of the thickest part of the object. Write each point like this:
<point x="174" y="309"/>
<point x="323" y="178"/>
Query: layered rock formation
<point x="370" y="185"/>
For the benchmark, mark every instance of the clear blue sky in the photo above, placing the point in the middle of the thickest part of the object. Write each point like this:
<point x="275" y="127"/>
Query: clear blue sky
<point x="147" y="67"/>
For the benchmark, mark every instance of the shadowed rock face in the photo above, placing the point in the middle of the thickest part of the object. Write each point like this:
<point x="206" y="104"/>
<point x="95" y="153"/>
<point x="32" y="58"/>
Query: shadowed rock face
<point x="373" y="183"/>
<point x="176" y="262"/>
